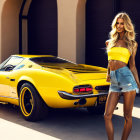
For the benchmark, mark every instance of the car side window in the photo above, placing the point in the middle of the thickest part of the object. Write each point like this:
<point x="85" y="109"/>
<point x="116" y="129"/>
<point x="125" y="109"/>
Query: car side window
<point x="4" y="62"/>
<point x="11" y="63"/>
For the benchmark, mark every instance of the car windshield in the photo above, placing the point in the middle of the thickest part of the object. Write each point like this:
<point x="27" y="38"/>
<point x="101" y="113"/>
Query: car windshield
<point x="11" y="62"/>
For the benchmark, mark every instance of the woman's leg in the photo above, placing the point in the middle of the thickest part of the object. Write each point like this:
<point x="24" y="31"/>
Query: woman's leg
<point x="111" y="103"/>
<point x="129" y="98"/>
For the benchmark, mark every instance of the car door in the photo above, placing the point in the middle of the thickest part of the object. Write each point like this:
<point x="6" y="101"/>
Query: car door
<point x="6" y="69"/>
<point x="4" y="84"/>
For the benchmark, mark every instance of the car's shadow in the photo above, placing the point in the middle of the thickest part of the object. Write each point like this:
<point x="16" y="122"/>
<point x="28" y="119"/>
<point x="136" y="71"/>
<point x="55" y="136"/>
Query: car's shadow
<point x="70" y="124"/>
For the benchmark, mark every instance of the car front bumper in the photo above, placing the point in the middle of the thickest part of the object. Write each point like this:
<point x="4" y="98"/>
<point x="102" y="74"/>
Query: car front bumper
<point x="69" y="96"/>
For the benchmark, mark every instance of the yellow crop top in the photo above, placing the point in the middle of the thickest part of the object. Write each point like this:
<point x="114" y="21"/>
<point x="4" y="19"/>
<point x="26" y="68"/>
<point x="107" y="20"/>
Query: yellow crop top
<point x="119" y="53"/>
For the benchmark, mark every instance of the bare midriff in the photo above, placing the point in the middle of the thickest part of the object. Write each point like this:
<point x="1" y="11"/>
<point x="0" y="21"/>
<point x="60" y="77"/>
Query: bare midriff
<point x="115" y="64"/>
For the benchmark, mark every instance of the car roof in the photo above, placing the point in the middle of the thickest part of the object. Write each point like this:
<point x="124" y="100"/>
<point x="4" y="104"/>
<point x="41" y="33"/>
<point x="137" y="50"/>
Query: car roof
<point x="32" y="56"/>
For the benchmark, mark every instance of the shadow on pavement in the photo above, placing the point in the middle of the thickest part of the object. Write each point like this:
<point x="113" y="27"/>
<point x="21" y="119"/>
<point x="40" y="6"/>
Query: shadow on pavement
<point x="71" y="124"/>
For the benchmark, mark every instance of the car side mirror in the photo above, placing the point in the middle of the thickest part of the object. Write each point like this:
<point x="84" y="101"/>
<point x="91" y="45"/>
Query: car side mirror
<point x="9" y="67"/>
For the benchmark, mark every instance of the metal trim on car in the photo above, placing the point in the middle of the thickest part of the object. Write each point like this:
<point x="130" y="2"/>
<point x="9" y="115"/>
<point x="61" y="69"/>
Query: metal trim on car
<point x="9" y="97"/>
<point x="69" y="96"/>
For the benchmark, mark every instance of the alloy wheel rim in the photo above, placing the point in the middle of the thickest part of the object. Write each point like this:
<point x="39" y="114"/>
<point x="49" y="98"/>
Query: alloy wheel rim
<point x="26" y="101"/>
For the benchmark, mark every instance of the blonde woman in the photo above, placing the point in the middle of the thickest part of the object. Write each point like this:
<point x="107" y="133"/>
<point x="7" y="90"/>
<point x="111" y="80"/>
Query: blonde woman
<point x="121" y="49"/>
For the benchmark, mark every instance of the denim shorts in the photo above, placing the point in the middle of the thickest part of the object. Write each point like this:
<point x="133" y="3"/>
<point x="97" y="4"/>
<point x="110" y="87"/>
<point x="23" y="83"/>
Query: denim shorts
<point x="122" y="80"/>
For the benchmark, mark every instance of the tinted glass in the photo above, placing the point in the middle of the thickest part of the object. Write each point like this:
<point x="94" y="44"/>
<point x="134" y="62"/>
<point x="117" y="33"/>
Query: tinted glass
<point x="42" y="60"/>
<point x="14" y="61"/>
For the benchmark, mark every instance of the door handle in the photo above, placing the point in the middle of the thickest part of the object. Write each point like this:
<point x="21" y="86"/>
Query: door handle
<point x="12" y="79"/>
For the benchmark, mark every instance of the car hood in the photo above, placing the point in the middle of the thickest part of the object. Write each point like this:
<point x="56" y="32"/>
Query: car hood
<point x="78" y="72"/>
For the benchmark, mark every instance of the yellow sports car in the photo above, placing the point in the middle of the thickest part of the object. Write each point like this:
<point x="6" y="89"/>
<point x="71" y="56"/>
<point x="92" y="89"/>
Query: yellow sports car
<point x="38" y="82"/>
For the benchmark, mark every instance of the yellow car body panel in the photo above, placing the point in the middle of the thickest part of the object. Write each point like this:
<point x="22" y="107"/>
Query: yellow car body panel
<point x="48" y="79"/>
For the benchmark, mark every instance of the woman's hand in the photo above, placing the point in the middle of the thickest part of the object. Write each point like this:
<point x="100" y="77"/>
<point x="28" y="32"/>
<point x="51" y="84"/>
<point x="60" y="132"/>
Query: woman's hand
<point x="139" y="87"/>
<point x="108" y="78"/>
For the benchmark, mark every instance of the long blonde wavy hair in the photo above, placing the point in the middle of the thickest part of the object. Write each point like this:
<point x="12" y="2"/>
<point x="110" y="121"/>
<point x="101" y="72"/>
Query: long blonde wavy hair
<point x="129" y="36"/>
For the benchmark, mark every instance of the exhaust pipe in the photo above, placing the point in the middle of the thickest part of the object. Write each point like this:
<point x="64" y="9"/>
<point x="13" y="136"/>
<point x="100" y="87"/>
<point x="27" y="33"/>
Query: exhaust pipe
<point x="82" y="101"/>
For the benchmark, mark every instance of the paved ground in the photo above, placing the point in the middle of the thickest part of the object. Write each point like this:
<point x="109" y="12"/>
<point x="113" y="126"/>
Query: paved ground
<point x="65" y="124"/>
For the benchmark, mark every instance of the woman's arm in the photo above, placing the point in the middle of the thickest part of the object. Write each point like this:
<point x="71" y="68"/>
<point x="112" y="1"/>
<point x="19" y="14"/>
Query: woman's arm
<point x="133" y="66"/>
<point x="108" y="69"/>
<point x="108" y="74"/>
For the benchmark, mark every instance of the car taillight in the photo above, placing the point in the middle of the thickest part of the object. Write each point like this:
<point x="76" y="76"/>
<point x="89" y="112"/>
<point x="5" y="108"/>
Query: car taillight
<point x="82" y="88"/>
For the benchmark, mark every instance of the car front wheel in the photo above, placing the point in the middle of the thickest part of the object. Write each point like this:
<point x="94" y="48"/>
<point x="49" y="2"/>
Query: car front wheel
<point x="31" y="104"/>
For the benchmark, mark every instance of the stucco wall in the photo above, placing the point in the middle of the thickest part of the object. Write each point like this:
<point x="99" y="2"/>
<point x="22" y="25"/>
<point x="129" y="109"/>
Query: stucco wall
<point x="71" y="30"/>
<point x="80" y="31"/>
<point x="9" y="27"/>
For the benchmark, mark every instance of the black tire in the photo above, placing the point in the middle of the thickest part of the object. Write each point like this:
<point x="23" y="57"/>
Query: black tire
<point x="31" y="104"/>
<point x="100" y="109"/>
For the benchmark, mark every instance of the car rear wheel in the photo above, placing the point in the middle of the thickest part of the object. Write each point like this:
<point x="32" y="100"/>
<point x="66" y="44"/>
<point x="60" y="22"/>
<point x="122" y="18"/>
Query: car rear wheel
<point x="31" y="104"/>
